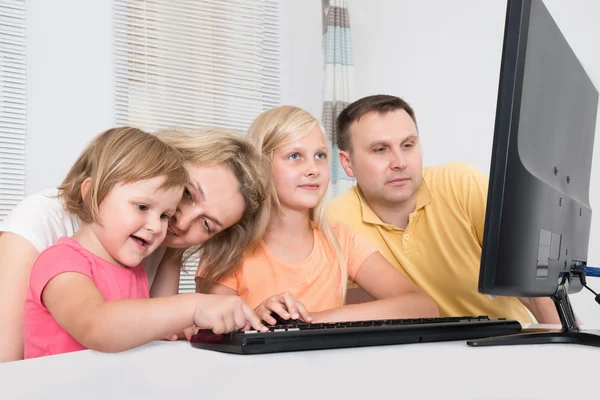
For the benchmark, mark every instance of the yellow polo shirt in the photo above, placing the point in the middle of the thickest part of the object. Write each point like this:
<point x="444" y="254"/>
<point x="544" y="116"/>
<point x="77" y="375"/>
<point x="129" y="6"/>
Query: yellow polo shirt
<point x="440" y="249"/>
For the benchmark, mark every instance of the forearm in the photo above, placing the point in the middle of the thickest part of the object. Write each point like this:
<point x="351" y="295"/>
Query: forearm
<point x="125" y="324"/>
<point x="410" y="305"/>
<point x="17" y="256"/>
<point x="542" y="308"/>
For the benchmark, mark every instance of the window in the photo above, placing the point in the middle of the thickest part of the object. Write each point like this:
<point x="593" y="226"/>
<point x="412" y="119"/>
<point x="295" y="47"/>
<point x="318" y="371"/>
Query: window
<point x="13" y="121"/>
<point x="195" y="64"/>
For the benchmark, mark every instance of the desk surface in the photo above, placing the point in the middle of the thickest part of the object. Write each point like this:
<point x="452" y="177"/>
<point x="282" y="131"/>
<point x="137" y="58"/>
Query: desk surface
<point x="175" y="370"/>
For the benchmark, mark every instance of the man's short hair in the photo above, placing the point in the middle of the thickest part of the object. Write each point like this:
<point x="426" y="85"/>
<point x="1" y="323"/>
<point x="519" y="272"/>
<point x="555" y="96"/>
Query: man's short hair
<point x="380" y="103"/>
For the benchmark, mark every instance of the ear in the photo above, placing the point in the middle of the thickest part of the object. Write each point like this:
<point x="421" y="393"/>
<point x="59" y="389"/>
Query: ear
<point x="346" y="163"/>
<point x="85" y="187"/>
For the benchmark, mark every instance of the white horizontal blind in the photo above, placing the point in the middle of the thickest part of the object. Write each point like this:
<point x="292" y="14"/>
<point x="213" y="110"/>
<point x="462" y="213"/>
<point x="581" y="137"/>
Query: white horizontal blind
<point x="12" y="104"/>
<point x="194" y="64"/>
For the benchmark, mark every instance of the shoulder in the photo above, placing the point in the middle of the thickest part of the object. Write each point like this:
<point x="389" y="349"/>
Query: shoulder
<point x="453" y="171"/>
<point x="65" y="251"/>
<point x="40" y="219"/>
<point x="453" y="176"/>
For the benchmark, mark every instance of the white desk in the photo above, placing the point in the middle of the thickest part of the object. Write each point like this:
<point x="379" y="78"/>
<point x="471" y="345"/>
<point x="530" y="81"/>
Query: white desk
<point x="450" y="370"/>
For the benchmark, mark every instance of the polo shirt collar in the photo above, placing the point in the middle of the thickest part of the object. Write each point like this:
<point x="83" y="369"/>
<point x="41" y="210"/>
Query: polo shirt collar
<point x="424" y="197"/>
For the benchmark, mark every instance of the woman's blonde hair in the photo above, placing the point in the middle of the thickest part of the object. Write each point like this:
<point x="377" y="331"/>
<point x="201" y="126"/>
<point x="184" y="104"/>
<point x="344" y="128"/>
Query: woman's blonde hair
<point x="222" y="253"/>
<point x="271" y="130"/>
<point x="119" y="155"/>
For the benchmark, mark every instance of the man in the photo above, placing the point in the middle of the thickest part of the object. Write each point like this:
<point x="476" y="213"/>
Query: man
<point x="428" y="222"/>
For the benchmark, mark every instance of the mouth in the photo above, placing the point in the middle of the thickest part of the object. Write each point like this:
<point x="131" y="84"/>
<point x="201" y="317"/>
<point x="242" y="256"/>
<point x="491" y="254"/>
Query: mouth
<point x="171" y="232"/>
<point x="140" y="242"/>
<point x="398" y="181"/>
<point x="309" y="187"/>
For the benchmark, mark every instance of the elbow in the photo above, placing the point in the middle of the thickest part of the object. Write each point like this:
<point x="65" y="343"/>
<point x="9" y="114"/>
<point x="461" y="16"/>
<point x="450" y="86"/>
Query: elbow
<point x="424" y="306"/>
<point x="98" y="339"/>
<point x="430" y="308"/>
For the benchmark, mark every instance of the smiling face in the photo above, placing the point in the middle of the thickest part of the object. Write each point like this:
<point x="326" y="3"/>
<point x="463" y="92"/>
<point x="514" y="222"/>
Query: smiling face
<point x="211" y="203"/>
<point x="133" y="220"/>
<point x="301" y="170"/>
<point x="385" y="157"/>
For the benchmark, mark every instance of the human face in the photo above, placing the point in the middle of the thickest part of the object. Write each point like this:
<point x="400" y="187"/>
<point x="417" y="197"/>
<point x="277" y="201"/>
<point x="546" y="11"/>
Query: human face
<point x="133" y="220"/>
<point x="385" y="157"/>
<point x="211" y="203"/>
<point x="301" y="171"/>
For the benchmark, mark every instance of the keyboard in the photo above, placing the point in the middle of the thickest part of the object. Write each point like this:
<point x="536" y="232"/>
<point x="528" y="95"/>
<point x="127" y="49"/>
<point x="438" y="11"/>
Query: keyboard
<point x="298" y="336"/>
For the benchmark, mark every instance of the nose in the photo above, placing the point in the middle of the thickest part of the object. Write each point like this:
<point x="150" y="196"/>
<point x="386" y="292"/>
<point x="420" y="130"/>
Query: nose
<point x="398" y="160"/>
<point x="312" y="168"/>
<point x="154" y="223"/>
<point x="184" y="215"/>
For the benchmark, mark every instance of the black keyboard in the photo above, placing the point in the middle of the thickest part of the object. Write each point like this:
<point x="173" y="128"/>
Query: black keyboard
<point x="296" y="336"/>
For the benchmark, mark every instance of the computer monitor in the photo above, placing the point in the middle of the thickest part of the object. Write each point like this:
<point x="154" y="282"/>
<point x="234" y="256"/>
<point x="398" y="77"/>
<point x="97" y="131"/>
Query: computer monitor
<point x="538" y="214"/>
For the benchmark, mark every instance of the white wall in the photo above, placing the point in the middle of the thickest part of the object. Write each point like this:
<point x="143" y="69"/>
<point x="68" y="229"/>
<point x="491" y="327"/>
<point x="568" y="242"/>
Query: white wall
<point x="69" y="84"/>
<point x="443" y="58"/>
<point x="302" y="64"/>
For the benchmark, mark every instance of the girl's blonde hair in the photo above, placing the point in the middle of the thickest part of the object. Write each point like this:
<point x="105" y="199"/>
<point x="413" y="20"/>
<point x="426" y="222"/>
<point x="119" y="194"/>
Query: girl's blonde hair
<point x="222" y="253"/>
<point x="271" y="130"/>
<point x="119" y="155"/>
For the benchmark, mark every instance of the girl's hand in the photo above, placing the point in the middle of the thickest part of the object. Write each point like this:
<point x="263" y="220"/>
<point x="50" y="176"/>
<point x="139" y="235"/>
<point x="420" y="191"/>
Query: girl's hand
<point x="225" y="314"/>
<point x="284" y="305"/>
<point x="186" y="334"/>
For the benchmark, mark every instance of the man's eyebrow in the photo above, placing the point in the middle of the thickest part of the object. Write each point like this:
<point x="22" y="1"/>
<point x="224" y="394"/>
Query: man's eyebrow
<point x="411" y="137"/>
<point x="203" y="197"/>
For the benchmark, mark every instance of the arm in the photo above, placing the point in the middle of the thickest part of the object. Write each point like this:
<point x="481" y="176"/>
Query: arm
<point x="166" y="281"/>
<point x="110" y="326"/>
<point x="542" y="308"/>
<point x="395" y="296"/>
<point x="17" y="256"/>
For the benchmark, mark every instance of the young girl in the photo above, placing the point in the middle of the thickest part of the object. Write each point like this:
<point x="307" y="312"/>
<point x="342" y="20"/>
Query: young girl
<point x="301" y="268"/>
<point x="90" y="290"/>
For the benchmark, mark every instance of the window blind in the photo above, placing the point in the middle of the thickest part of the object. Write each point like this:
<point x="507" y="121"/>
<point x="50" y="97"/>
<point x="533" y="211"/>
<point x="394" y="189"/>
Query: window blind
<point x="13" y="121"/>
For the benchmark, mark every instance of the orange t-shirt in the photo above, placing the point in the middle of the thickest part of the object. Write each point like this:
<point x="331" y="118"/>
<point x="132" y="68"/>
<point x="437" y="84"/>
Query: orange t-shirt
<point x="315" y="281"/>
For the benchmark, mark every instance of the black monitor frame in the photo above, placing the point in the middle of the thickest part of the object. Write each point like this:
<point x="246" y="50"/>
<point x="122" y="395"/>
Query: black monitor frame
<point x="516" y="193"/>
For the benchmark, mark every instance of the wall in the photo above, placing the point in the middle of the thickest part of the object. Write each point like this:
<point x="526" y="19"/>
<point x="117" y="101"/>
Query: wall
<point x="69" y="84"/>
<point x="444" y="58"/>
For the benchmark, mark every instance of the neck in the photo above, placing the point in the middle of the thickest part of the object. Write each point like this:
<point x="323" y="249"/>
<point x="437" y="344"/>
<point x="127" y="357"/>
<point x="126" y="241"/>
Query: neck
<point x="86" y="237"/>
<point x="393" y="213"/>
<point x="288" y="225"/>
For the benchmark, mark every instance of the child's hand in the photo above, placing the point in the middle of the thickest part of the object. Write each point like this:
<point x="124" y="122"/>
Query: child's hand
<point x="186" y="334"/>
<point x="225" y="314"/>
<point x="285" y="305"/>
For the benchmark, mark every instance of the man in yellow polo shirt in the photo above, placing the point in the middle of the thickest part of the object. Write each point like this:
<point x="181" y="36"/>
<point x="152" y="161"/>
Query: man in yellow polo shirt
<point x="428" y="222"/>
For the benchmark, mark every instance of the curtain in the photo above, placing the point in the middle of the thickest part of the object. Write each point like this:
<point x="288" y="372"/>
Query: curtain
<point x="338" y="82"/>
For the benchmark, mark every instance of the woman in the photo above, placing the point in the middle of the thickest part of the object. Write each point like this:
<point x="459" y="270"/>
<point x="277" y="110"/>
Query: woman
<point x="222" y="206"/>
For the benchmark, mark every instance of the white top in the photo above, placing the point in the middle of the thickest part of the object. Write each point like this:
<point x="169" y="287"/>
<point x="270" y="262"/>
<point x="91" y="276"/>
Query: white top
<point x="444" y="370"/>
<point x="41" y="220"/>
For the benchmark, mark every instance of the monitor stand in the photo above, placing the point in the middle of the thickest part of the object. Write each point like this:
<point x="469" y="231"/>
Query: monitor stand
<point x="570" y="332"/>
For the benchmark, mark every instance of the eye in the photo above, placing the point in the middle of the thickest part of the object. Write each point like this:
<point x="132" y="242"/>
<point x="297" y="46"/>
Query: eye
<point x="294" y="156"/>
<point x="206" y="225"/>
<point x="186" y="193"/>
<point x="408" y="145"/>
<point x="321" y="156"/>
<point x="165" y="216"/>
<point x="379" y="150"/>
<point x="142" y="207"/>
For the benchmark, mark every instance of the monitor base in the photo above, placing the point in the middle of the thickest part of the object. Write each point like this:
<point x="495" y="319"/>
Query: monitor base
<point x="569" y="333"/>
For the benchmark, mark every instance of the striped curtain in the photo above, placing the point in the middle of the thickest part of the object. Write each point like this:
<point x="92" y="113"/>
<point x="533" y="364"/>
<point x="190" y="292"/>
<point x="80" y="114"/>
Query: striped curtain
<point x="338" y="82"/>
